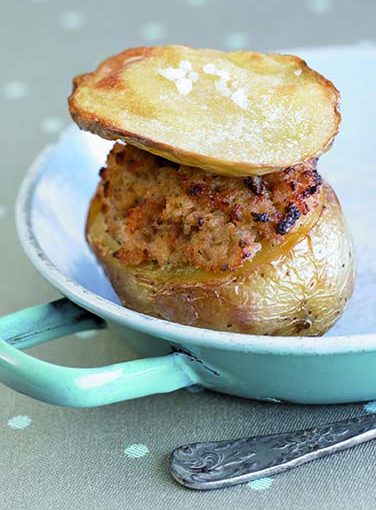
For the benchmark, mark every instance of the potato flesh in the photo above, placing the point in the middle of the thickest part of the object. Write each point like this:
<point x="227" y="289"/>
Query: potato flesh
<point x="184" y="217"/>
<point x="240" y="113"/>
<point x="302" y="289"/>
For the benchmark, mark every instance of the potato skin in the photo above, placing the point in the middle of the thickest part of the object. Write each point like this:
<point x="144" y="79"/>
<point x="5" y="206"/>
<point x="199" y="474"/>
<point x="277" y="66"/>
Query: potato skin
<point x="302" y="290"/>
<point x="125" y="98"/>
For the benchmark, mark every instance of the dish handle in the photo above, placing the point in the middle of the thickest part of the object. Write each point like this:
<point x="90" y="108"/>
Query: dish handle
<point x="79" y="387"/>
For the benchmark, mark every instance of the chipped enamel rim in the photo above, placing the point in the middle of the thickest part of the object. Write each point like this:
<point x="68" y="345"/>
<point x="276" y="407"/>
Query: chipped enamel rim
<point x="170" y="331"/>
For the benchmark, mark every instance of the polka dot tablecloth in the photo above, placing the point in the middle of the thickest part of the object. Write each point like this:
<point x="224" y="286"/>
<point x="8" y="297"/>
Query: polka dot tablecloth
<point x="117" y="457"/>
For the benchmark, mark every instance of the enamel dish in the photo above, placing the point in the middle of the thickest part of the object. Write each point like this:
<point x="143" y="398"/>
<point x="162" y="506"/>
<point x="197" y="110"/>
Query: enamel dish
<point x="51" y="212"/>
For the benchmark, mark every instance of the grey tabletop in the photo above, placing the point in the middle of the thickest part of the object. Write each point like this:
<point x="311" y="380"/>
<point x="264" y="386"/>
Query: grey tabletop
<point x="117" y="457"/>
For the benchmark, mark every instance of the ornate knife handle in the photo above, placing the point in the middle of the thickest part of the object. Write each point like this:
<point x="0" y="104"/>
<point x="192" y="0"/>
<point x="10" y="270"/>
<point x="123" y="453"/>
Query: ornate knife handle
<point x="220" y="464"/>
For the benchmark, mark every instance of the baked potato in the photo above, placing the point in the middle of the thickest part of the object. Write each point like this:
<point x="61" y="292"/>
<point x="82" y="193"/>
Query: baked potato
<point x="234" y="113"/>
<point x="297" y="283"/>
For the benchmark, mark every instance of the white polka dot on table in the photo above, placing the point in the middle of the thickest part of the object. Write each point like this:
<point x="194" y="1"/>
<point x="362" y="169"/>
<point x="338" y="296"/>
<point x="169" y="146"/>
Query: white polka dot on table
<point x="153" y="31"/>
<point x="260" y="484"/>
<point x="236" y="41"/>
<point x="15" y="90"/>
<point x="51" y="125"/>
<point x="19" y="422"/>
<point x="370" y="407"/>
<point x="136" y="451"/>
<point x="196" y="3"/>
<point x="2" y="211"/>
<point x="319" y="6"/>
<point x="72" y="20"/>
<point x="86" y="334"/>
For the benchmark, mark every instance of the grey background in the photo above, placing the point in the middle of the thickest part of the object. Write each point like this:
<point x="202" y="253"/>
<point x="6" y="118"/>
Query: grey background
<point x="74" y="459"/>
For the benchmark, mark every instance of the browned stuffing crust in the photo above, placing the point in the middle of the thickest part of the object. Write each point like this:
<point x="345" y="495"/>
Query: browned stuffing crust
<point x="177" y="216"/>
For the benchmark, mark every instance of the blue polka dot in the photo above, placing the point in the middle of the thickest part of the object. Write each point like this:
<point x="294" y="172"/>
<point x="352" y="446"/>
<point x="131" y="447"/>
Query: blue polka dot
<point x="15" y="90"/>
<point x="72" y="20"/>
<point x="51" y="125"/>
<point x="260" y="484"/>
<point x="153" y="31"/>
<point x="237" y="41"/>
<point x="135" y="451"/>
<point x="370" y="407"/>
<point x="319" y="6"/>
<point x="196" y="3"/>
<point x="366" y="44"/>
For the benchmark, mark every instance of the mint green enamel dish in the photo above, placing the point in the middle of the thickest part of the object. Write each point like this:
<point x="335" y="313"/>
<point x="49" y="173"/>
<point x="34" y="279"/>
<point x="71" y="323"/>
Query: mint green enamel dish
<point x="51" y="212"/>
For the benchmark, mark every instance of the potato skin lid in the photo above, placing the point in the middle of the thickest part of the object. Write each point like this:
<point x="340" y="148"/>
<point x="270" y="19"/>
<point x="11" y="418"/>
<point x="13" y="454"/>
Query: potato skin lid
<point x="234" y="113"/>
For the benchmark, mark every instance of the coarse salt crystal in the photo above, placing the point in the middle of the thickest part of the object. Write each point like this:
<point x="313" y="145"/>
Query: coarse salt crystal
<point x="183" y="76"/>
<point x="223" y="74"/>
<point x="239" y="97"/>
<point x="222" y="88"/>
<point x="298" y="72"/>
<point x="209" y="69"/>
<point x="171" y="73"/>
<point x="184" y="86"/>
<point x="185" y="65"/>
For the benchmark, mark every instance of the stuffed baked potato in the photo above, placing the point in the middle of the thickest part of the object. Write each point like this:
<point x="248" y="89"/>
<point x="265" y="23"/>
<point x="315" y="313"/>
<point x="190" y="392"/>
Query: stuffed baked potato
<point x="292" y="275"/>
<point x="213" y="213"/>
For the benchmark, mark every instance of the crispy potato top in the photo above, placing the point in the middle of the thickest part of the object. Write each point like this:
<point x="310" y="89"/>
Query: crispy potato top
<point x="178" y="216"/>
<point x="240" y="113"/>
